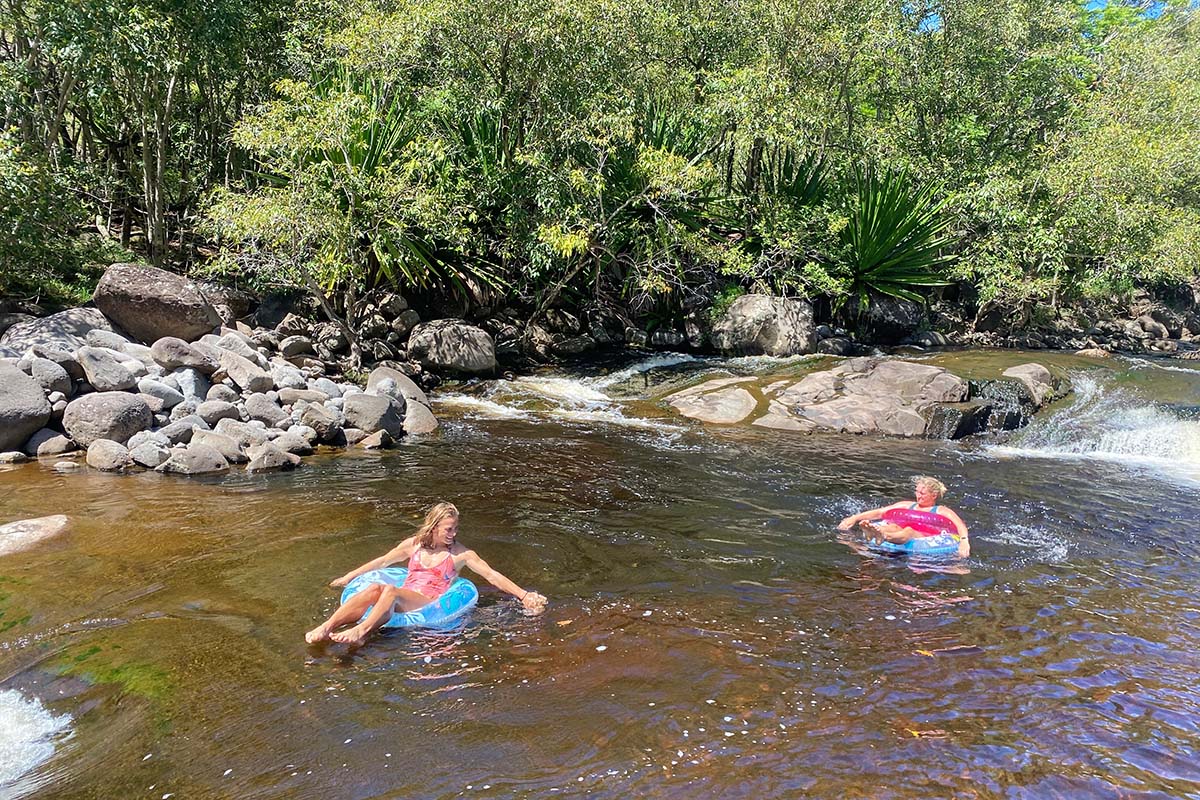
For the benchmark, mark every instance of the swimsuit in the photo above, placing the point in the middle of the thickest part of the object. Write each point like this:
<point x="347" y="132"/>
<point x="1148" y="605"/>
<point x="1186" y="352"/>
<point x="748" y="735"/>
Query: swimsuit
<point x="429" y="581"/>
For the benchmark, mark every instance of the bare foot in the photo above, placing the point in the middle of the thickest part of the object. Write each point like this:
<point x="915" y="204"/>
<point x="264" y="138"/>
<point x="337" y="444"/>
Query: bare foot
<point x="352" y="636"/>
<point x="870" y="531"/>
<point x="317" y="634"/>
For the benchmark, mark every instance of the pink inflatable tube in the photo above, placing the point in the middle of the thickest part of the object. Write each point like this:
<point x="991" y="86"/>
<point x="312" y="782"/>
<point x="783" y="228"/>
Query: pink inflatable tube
<point x="923" y="521"/>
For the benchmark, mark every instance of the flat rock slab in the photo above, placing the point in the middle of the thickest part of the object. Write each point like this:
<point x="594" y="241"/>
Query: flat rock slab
<point x="24" y="534"/>
<point x="722" y="404"/>
<point x="66" y="330"/>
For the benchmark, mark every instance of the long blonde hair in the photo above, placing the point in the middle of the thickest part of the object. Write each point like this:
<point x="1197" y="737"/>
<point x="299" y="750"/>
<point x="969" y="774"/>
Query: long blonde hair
<point x="436" y="513"/>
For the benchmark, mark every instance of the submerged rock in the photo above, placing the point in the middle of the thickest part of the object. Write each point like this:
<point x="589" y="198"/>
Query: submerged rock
<point x="24" y="534"/>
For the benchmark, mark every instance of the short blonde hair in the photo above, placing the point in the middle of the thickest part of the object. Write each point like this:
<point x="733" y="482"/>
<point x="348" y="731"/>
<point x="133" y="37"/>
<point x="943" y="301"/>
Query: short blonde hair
<point x="436" y="513"/>
<point x="933" y="484"/>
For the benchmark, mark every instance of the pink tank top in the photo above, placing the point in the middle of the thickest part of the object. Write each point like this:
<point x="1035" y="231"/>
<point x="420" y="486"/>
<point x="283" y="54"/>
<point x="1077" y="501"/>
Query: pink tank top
<point x="429" y="581"/>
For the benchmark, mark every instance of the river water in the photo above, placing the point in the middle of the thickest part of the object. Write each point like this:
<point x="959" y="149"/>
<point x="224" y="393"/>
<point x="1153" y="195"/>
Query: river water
<point x="708" y="635"/>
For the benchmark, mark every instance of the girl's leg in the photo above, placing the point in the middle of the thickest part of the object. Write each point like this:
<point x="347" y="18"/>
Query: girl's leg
<point x="391" y="598"/>
<point x="346" y="613"/>
<point x="897" y="535"/>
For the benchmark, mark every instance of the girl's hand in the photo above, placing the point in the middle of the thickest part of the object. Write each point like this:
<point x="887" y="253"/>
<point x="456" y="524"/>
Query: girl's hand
<point x="338" y="583"/>
<point x="533" y="602"/>
<point x="846" y="524"/>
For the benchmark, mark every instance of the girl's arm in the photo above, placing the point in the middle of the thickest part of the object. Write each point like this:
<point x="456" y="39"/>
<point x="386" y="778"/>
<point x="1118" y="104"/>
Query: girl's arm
<point x="957" y="520"/>
<point x="532" y="601"/>
<point x="398" y="553"/>
<point x="874" y="513"/>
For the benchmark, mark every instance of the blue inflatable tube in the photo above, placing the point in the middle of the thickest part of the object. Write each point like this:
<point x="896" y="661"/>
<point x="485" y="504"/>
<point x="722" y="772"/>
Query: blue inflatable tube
<point x="442" y="613"/>
<point x="941" y="546"/>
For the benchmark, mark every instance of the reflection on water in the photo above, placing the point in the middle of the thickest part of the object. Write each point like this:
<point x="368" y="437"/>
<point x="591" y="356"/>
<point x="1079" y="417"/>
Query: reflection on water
<point x="707" y="634"/>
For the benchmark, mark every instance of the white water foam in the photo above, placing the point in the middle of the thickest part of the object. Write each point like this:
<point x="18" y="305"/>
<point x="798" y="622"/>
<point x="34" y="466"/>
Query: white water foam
<point x="1112" y="425"/>
<point x="1142" y="363"/>
<point x="28" y="733"/>
<point x="645" y="365"/>
<point x="1037" y="542"/>
<point x="481" y="405"/>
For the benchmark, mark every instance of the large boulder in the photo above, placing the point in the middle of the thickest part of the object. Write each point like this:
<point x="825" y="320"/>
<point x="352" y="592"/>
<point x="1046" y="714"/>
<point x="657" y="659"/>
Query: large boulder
<point x="889" y="320"/>
<point x="48" y="442"/>
<point x="66" y="330"/>
<point x="195" y="459"/>
<point x="24" y="409"/>
<point x="452" y="345"/>
<point x="51" y="376"/>
<point x="758" y="324"/>
<point x="245" y="373"/>
<point x="1037" y="380"/>
<point x="104" y="371"/>
<point x="171" y="352"/>
<point x="106" y="415"/>
<point x="394" y="383"/>
<point x="418" y="419"/>
<point x="373" y="413"/>
<point x="107" y="455"/>
<point x="269" y="456"/>
<point x="150" y="303"/>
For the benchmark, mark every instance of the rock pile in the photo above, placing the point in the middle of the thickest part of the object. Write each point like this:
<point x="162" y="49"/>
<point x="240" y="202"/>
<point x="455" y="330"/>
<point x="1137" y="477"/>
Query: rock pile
<point x="193" y="397"/>
<point x="871" y="395"/>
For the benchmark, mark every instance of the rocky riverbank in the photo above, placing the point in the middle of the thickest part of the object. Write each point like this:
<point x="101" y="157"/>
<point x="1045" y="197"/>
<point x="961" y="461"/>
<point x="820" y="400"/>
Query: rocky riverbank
<point x="152" y="379"/>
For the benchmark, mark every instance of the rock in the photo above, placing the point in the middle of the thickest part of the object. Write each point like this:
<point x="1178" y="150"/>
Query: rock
<point x="931" y="339"/>
<point x="913" y="383"/>
<point x="418" y="419"/>
<point x="195" y="459"/>
<point x="13" y="457"/>
<point x="8" y="320"/>
<point x="193" y="384"/>
<point x="65" y="331"/>
<point x="1093" y="352"/>
<point x="353" y="435"/>
<point x="330" y="341"/>
<point x="181" y="430"/>
<point x="260" y="407"/>
<point x="836" y="346"/>
<point x="669" y="339"/>
<point x="295" y="345"/>
<point x="104" y="372"/>
<point x="718" y="401"/>
<point x="294" y="443"/>
<point x="266" y="340"/>
<point x="147" y="437"/>
<point x="328" y="387"/>
<point x="1037" y="380"/>
<point x="405" y="321"/>
<point x="171" y="353"/>
<point x="1153" y="327"/>
<point x="213" y="411"/>
<point x="149" y="455"/>
<point x="166" y="395"/>
<point x="227" y="446"/>
<point x="287" y="376"/>
<point x="321" y="420"/>
<point x="293" y="325"/>
<point x="269" y="456"/>
<point x="106" y="415"/>
<point x="292" y="396"/>
<point x="155" y="404"/>
<point x="63" y="359"/>
<point x="67" y="466"/>
<point x="757" y="324"/>
<point x="50" y="376"/>
<point x="107" y="455"/>
<point x="378" y="440"/>
<point x="48" y="442"/>
<point x="245" y="434"/>
<point x="393" y="383"/>
<point x="889" y="320"/>
<point x="98" y="337"/>
<point x="152" y="303"/>
<point x="24" y="534"/>
<point x="372" y="413"/>
<point x="24" y="409"/>
<point x="223" y="393"/>
<point x="453" y="345"/>
<point x="246" y="374"/>
<point x="956" y="420"/>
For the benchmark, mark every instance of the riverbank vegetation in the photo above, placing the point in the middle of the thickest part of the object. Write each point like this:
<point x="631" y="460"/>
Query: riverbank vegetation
<point x="647" y="155"/>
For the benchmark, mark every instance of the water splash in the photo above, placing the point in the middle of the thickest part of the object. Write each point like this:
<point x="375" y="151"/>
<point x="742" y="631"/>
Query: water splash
<point x="1112" y="424"/>
<point x="28" y="733"/>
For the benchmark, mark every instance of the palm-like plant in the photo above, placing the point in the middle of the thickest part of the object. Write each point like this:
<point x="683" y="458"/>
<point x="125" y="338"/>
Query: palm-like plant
<point x="897" y="238"/>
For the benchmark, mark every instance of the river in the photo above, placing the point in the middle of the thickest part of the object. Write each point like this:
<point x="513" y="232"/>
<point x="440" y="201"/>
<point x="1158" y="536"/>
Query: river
<point x="708" y="635"/>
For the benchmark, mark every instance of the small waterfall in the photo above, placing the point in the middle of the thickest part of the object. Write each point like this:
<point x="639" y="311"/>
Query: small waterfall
<point x="27" y="736"/>
<point x="1114" y="424"/>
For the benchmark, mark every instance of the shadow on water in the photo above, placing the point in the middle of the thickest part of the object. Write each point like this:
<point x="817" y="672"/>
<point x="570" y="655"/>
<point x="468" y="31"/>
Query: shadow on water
<point x="708" y="635"/>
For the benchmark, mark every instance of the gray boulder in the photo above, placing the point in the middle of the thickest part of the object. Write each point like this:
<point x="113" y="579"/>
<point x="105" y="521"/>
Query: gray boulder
<point x="104" y="371"/>
<point x="181" y="430"/>
<point x="245" y="434"/>
<point x="371" y="413"/>
<point x="50" y="376"/>
<point x="98" y="337"/>
<point x="378" y="440"/>
<point x="107" y="455"/>
<point x="394" y="383"/>
<point x="287" y="376"/>
<point x="261" y="407"/>
<point x="24" y="534"/>
<point x="48" y="442"/>
<point x="24" y="409"/>
<point x="290" y="397"/>
<point x="225" y="394"/>
<point x="759" y="324"/>
<point x="149" y="455"/>
<point x="295" y="443"/>
<point x="172" y="353"/>
<point x="720" y="402"/>
<point x="328" y="387"/>
<point x="106" y="415"/>
<point x="213" y="411"/>
<point x="418" y="419"/>
<point x="269" y="456"/>
<point x="152" y="303"/>
<point x="453" y="345"/>
<point x="166" y="395"/>
<point x="321" y="420"/>
<point x="65" y="331"/>
<point x="195" y="459"/>
<point x="193" y="384"/>
<point x="245" y="373"/>
<point x="296" y="345"/>
<point x="225" y="445"/>
<point x="1037" y="380"/>
<point x="64" y="359"/>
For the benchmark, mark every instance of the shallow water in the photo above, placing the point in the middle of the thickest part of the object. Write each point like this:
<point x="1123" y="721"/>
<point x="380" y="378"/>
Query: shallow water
<point x="708" y="635"/>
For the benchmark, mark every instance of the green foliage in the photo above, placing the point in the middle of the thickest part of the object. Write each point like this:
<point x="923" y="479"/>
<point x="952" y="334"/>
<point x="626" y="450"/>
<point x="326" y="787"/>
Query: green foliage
<point x="897" y="238"/>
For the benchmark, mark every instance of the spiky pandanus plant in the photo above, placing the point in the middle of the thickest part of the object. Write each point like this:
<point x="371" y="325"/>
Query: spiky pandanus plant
<point x="898" y="238"/>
